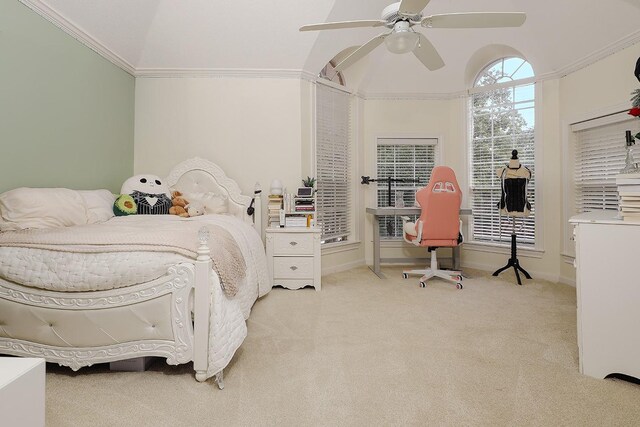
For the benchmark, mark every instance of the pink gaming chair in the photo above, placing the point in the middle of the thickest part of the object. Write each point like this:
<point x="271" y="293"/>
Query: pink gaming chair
<point x="439" y="223"/>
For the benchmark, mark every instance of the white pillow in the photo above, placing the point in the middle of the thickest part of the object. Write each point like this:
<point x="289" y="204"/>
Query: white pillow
<point x="24" y="208"/>
<point x="213" y="203"/>
<point x="99" y="205"/>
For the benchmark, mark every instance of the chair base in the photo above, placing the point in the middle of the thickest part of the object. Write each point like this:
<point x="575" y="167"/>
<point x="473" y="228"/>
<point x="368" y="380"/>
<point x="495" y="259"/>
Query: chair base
<point x="434" y="271"/>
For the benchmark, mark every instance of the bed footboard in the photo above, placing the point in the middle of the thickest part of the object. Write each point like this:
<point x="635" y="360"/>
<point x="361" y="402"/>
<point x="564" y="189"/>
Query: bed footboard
<point x="84" y="328"/>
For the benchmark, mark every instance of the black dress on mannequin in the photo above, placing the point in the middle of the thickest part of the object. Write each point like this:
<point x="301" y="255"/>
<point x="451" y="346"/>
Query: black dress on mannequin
<point x="514" y="203"/>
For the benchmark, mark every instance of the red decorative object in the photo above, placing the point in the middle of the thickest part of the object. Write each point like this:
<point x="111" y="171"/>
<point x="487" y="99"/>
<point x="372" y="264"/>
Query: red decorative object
<point x="635" y="111"/>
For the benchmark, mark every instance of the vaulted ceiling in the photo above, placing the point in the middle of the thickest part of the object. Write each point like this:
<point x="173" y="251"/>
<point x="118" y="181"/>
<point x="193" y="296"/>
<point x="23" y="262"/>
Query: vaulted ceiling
<point x="157" y="36"/>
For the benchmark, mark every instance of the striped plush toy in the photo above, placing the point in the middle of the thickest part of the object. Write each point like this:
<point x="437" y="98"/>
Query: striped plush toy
<point x="151" y="195"/>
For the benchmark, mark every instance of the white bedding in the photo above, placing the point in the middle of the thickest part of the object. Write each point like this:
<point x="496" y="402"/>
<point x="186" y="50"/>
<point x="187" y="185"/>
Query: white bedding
<point x="79" y="272"/>
<point x="85" y="271"/>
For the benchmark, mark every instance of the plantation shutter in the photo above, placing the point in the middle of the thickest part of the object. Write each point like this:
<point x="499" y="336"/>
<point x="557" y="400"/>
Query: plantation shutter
<point x="333" y="130"/>
<point x="599" y="156"/>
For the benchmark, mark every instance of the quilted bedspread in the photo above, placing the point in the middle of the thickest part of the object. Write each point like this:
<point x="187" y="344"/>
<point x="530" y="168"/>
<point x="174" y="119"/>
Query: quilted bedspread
<point x="138" y="249"/>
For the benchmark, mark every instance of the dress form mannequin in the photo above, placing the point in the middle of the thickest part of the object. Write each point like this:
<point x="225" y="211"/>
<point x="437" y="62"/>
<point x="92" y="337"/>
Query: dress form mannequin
<point x="513" y="203"/>
<point x="515" y="191"/>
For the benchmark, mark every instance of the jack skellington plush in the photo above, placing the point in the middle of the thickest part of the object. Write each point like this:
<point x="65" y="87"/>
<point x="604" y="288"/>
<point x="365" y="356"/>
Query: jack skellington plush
<point x="150" y="193"/>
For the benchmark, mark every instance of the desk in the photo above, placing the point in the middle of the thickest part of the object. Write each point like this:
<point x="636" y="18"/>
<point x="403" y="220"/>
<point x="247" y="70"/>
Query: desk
<point x="378" y="212"/>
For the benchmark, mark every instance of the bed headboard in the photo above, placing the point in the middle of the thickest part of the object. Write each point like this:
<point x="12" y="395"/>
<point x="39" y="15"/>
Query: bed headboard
<point x="198" y="175"/>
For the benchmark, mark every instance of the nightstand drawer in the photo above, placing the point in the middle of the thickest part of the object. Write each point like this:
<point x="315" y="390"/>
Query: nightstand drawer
<point x="293" y="244"/>
<point x="292" y="267"/>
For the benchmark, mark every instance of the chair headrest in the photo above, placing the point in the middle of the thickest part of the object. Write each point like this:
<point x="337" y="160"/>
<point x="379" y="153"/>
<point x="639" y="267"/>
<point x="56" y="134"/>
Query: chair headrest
<point x="443" y="180"/>
<point x="444" y="187"/>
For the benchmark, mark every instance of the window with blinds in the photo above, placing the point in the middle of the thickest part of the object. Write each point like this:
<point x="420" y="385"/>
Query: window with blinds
<point x="402" y="158"/>
<point x="600" y="153"/>
<point x="333" y="130"/>
<point x="502" y="119"/>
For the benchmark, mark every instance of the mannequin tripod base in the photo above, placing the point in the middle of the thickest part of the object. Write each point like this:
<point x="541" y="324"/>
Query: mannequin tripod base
<point x="513" y="262"/>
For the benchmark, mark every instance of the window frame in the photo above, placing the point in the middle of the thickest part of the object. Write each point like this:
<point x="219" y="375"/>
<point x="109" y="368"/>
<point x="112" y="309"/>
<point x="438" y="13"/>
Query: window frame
<point x="402" y="140"/>
<point x="537" y="249"/>
<point x="351" y="237"/>
<point x="396" y="242"/>
<point x="609" y="116"/>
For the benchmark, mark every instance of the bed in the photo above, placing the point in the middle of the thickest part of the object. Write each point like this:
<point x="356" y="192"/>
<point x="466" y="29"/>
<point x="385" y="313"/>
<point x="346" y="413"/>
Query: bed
<point x="88" y="299"/>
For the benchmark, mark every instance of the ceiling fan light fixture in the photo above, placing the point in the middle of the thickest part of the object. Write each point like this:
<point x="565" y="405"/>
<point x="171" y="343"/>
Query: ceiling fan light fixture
<point x="402" y="39"/>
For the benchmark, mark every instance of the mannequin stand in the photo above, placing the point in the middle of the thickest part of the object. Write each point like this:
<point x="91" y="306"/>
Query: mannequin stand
<point x="513" y="261"/>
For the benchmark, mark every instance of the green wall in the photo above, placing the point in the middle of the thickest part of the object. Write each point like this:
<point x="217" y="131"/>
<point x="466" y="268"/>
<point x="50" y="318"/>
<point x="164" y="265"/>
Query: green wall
<point x="66" y="113"/>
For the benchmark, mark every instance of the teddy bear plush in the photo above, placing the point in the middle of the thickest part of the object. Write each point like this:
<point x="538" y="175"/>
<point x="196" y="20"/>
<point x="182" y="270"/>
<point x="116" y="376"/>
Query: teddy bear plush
<point x="178" y="205"/>
<point x="195" y="208"/>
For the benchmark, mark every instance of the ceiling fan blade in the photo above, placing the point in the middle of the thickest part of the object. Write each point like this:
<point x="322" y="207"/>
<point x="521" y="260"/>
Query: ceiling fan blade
<point x="427" y="54"/>
<point x="475" y="20"/>
<point x="361" y="52"/>
<point x="412" y="7"/>
<point x="343" y="24"/>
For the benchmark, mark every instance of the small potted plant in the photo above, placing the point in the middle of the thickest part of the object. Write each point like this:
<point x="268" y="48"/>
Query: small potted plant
<point x="309" y="182"/>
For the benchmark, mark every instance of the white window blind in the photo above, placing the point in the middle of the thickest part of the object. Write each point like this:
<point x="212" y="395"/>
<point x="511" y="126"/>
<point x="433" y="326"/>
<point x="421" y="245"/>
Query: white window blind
<point x="407" y="158"/>
<point x="333" y="130"/>
<point x="599" y="156"/>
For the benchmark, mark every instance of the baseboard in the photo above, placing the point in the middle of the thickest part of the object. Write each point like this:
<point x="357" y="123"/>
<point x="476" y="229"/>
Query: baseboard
<point x="571" y="281"/>
<point x="342" y="267"/>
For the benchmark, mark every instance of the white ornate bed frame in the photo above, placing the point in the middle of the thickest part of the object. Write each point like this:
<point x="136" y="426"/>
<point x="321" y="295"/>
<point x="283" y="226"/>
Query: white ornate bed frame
<point x="185" y="288"/>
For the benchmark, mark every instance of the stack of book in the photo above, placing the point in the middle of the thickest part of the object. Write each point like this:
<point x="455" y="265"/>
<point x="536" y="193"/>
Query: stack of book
<point x="305" y="204"/>
<point x="275" y="203"/>
<point x="629" y="194"/>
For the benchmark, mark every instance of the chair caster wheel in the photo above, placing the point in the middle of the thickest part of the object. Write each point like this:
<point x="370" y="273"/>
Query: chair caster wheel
<point x="405" y="276"/>
<point x="423" y="284"/>
<point x="459" y="285"/>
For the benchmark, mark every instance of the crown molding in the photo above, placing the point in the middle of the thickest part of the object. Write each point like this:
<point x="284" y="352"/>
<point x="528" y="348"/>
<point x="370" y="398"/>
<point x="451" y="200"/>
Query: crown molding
<point x="208" y="73"/>
<point x="598" y="55"/>
<point x="401" y="96"/>
<point x="51" y="15"/>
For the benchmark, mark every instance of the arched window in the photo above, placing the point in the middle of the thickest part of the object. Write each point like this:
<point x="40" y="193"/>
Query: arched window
<point x="502" y="111"/>
<point x="333" y="148"/>
<point x="329" y="73"/>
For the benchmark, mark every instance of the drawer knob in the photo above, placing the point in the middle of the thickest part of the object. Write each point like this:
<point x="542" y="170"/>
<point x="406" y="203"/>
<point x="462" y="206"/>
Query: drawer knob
<point x="293" y="267"/>
<point x="293" y="243"/>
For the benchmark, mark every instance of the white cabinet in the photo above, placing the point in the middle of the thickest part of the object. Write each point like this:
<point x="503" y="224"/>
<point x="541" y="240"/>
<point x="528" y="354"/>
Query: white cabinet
<point x="608" y="292"/>
<point x="22" y="391"/>
<point x="293" y="255"/>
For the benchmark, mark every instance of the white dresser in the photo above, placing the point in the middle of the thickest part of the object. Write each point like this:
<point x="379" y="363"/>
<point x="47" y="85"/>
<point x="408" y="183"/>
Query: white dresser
<point x="22" y="400"/>
<point x="293" y="255"/>
<point x="608" y="294"/>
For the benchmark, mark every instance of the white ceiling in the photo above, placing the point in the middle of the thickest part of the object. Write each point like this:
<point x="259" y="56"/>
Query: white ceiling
<point x="151" y="35"/>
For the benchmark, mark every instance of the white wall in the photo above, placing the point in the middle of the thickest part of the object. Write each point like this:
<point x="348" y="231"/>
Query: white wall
<point x="249" y="127"/>
<point x="601" y="88"/>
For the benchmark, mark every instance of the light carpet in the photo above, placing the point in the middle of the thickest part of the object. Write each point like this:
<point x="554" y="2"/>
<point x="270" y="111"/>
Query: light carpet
<point x="366" y="351"/>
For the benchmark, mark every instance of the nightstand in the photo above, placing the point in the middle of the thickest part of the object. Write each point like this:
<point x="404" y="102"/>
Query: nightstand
<point x="293" y="256"/>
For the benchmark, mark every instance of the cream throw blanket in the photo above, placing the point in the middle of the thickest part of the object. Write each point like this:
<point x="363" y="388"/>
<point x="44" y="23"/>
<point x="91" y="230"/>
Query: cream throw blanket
<point x="159" y="233"/>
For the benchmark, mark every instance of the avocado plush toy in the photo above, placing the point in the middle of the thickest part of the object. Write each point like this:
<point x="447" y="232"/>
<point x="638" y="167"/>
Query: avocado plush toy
<point x="125" y="205"/>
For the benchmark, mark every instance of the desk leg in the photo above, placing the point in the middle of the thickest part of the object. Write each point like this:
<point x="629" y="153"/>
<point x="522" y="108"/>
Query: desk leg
<point x="376" y="247"/>
<point x="456" y="258"/>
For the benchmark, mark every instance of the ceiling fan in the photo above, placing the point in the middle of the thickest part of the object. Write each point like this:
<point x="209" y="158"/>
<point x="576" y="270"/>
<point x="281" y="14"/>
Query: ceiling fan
<point x="400" y="17"/>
